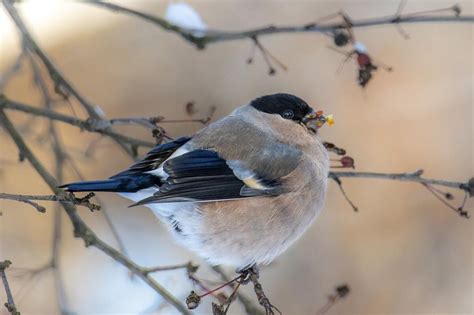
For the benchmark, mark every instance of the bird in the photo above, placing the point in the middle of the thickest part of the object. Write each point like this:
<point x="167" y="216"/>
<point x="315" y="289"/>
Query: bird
<point x="241" y="190"/>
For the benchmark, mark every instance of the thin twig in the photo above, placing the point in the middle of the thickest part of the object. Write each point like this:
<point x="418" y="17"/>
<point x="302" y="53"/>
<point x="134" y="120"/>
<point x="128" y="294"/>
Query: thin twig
<point x="63" y="198"/>
<point x="406" y="177"/>
<point x="101" y="127"/>
<point x="149" y="123"/>
<point x="189" y="266"/>
<point x="232" y="297"/>
<point x="340" y="293"/>
<point x="260" y="293"/>
<point x="187" y="34"/>
<point x="214" y="36"/>
<point x="203" y="121"/>
<point x="459" y="210"/>
<point x="196" y="281"/>
<point x="10" y="304"/>
<point x="250" y="307"/>
<point x="20" y="198"/>
<point x="11" y="71"/>
<point x="339" y="184"/>
<point x="467" y="187"/>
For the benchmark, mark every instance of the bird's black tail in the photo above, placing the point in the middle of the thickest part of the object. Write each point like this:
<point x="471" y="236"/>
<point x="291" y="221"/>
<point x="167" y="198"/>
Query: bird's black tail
<point x="116" y="184"/>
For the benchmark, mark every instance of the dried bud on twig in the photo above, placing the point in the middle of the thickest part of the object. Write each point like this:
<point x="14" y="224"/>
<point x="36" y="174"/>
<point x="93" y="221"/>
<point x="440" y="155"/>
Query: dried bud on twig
<point x="341" y="292"/>
<point x="193" y="300"/>
<point x="331" y="147"/>
<point x="268" y="57"/>
<point x="84" y="201"/>
<point x="217" y="309"/>
<point x="191" y="108"/>
<point x="341" y="38"/>
<point x="347" y="161"/>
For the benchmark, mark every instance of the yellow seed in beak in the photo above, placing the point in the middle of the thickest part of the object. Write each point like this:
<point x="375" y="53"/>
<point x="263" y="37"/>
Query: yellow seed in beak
<point x="330" y="120"/>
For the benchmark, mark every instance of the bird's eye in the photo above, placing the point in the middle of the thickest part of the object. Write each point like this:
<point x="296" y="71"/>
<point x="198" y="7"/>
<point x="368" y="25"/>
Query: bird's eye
<point x="287" y="114"/>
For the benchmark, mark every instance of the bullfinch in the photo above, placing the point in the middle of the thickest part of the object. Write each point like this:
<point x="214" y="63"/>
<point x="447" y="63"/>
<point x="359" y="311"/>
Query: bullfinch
<point x="241" y="190"/>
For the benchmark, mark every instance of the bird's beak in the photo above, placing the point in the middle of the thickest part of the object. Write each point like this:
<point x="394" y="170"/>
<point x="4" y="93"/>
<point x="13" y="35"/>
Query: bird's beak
<point x="315" y="120"/>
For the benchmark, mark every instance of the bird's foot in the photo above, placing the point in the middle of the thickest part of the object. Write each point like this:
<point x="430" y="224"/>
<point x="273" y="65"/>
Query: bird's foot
<point x="246" y="273"/>
<point x="251" y="275"/>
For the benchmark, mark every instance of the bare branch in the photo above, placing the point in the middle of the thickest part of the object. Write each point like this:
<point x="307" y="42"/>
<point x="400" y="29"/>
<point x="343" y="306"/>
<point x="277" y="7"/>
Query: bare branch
<point x="189" y="266"/>
<point x="81" y="229"/>
<point x="11" y="71"/>
<point x="343" y="192"/>
<point x="459" y="210"/>
<point x="467" y="187"/>
<point x="23" y="199"/>
<point x="214" y="36"/>
<point x="409" y="177"/>
<point x="340" y="292"/>
<point x="65" y="197"/>
<point x="98" y="126"/>
<point x="10" y="304"/>
<point x="193" y="299"/>
<point x="158" y="21"/>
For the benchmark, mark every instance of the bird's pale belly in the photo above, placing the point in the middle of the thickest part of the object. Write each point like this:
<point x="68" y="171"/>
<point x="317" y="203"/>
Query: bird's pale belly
<point x="224" y="233"/>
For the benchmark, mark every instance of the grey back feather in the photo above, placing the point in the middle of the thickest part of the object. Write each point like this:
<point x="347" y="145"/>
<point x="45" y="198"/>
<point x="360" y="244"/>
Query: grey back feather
<point x="236" y="139"/>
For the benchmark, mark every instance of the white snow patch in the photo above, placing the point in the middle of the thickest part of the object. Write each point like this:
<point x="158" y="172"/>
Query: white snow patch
<point x="183" y="15"/>
<point x="360" y="48"/>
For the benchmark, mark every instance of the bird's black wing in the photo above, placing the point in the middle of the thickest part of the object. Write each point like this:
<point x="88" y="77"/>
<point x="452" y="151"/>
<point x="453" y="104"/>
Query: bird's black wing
<point x="201" y="175"/>
<point x="154" y="158"/>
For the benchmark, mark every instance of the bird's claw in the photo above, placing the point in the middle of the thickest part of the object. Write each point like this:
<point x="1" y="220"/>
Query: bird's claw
<point x="269" y="307"/>
<point x="246" y="274"/>
<point x="251" y="275"/>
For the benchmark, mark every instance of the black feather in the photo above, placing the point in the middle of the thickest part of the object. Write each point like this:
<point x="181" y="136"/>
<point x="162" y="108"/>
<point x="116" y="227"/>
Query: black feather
<point x="155" y="157"/>
<point x="280" y="103"/>
<point x="201" y="175"/>
<point x="117" y="184"/>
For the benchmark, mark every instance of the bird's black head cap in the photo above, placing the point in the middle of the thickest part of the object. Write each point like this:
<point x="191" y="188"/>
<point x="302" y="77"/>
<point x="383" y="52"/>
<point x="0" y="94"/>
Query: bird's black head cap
<point x="286" y="105"/>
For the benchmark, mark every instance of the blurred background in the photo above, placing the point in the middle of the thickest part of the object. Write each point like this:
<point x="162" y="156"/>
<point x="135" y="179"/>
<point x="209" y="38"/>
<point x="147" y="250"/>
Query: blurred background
<point x="402" y="253"/>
